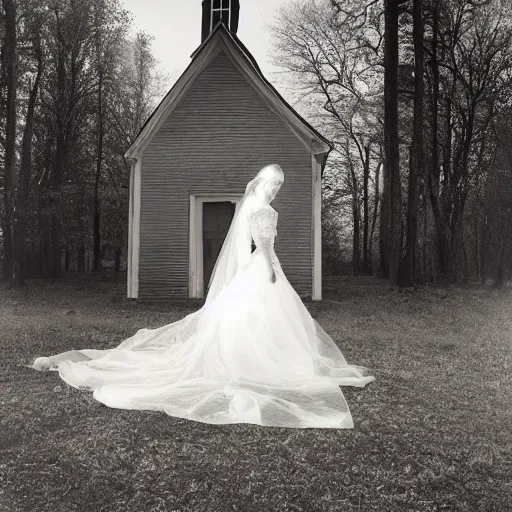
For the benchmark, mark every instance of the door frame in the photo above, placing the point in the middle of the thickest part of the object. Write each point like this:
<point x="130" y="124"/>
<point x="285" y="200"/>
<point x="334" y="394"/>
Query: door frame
<point x="195" y="253"/>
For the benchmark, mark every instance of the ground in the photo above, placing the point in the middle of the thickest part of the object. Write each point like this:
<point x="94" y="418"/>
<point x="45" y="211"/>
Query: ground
<point x="432" y="432"/>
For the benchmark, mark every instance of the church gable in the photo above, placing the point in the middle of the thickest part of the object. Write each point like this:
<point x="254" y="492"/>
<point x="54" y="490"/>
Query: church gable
<point x="222" y="104"/>
<point x="225" y="43"/>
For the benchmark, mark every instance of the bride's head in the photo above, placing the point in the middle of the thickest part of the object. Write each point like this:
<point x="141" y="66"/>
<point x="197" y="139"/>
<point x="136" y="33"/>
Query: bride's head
<point x="268" y="182"/>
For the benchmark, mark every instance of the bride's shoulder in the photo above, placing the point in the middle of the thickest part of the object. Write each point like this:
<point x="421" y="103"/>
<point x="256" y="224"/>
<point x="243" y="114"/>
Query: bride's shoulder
<point x="261" y="209"/>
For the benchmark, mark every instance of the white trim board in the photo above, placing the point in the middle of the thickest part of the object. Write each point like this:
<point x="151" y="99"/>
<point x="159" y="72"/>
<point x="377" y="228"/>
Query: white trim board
<point x="195" y="254"/>
<point x="317" y="227"/>
<point x="134" y="229"/>
<point x="130" y="234"/>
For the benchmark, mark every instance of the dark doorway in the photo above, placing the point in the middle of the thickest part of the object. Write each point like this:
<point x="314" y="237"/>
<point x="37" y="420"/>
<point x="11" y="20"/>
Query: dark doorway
<point x="216" y="221"/>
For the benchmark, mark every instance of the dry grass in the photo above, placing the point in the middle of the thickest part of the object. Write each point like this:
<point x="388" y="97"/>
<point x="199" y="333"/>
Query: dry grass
<point x="432" y="433"/>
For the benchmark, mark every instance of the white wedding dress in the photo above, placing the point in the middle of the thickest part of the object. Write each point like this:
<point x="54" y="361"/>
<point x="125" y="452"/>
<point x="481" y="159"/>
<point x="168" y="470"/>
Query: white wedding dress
<point x="253" y="354"/>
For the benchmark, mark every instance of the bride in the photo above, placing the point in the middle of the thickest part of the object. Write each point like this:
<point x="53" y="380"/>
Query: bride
<point x="251" y="354"/>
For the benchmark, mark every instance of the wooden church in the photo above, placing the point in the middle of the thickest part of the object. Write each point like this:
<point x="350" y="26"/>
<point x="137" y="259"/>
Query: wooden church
<point x="215" y="129"/>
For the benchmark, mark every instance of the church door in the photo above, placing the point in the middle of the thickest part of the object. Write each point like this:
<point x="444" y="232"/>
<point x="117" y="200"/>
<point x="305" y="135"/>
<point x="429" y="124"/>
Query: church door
<point x="216" y="221"/>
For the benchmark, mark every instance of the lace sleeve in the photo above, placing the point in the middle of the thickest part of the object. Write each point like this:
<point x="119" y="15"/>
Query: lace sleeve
<point x="263" y="227"/>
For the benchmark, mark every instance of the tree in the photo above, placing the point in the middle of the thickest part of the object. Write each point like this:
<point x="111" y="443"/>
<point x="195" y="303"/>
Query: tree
<point x="82" y="87"/>
<point x="109" y="24"/>
<point x="445" y="260"/>
<point x="34" y="22"/>
<point x="9" y="61"/>
<point x="477" y="64"/>
<point x="462" y="72"/>
<point x="407" y="270"/>
<point x="335" y="61"/>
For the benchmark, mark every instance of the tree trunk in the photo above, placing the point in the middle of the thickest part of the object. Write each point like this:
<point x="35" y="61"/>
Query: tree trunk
<point x="477" y="246"/>
<point x="22" y="196"/>
<point x="442" y="234"/>
<point x="356" y="217"/>
<point x="99" y="158"/>
<point x="384" y="226"/>
<point x="408" y="271"/>
<point x="459" y="203"/>
<point x="356" y="253"/>
<point x="9" y="181"/>
<point x="447" y="161"/>
<point x="424" y="265"/>
<point x="46" y="260"/>
<point x="366" y="176"/>
<point x="64" y="128"/>
<point x="484" y="234"/>
<point x="391" y="149"/>
<point x="375" y="209"/>
<point x="81" y="258"/>
<point x="500" y="277"/>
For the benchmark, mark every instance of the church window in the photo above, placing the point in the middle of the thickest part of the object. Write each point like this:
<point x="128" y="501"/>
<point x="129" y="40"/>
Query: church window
<point x="221" y="12"/>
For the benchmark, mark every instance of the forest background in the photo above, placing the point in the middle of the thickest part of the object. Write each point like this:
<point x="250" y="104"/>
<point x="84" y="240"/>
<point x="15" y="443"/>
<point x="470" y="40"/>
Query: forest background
<point x="415" y="96"/>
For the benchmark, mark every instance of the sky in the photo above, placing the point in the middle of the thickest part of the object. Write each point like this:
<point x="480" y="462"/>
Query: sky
<point x="176" y="27"/>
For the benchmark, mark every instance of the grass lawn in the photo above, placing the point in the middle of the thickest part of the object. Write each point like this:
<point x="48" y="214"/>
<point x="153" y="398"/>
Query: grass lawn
<point x="433" y="432"/>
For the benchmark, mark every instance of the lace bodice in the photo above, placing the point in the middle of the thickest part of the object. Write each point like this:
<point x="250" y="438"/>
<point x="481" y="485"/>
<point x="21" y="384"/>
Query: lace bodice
<point x="263" y="226"/>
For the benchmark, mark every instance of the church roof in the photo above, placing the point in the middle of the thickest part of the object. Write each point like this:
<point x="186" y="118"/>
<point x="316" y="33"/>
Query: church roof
<point x="222" y="39"/>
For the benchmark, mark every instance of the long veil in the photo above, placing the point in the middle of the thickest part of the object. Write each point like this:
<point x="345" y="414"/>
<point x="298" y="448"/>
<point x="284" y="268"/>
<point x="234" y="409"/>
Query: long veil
<point x="236" y="249"/>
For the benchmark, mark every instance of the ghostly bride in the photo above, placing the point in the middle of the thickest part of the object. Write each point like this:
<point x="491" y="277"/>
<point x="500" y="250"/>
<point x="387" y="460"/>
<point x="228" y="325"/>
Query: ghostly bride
<point x="251" y="354"/>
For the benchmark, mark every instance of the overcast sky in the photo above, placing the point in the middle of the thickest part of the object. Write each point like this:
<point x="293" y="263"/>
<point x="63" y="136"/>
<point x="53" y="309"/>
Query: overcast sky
<point x="176" y="27"/>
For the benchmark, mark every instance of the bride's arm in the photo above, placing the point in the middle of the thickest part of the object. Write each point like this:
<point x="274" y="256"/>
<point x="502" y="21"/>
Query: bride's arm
<point x="265" y="245"/>
<point x="262" y="231"/>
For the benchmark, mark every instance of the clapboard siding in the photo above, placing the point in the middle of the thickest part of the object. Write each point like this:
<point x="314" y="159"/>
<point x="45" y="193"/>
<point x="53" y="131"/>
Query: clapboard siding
<point x="216" y="140"/>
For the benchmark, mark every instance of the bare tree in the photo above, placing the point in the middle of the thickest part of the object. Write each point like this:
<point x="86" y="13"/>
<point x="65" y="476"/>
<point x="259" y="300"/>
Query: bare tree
<point x="109" y="27"/>
<point x="75" y="90"/>
<point x="478" y="62"/>
<point x="334" y="50"/>
<point x="34" y="22"/>
<point x="407" y="271"/>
